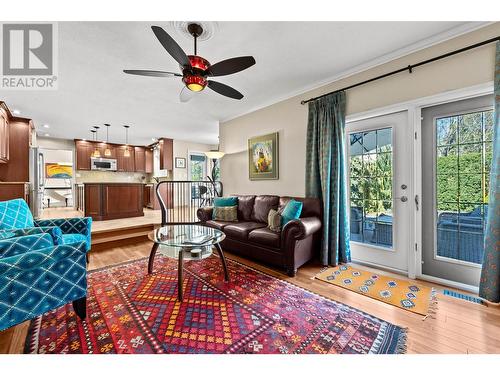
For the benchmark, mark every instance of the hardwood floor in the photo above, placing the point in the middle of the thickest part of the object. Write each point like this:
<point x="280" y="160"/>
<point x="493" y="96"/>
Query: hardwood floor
<point x="458" y="326"/>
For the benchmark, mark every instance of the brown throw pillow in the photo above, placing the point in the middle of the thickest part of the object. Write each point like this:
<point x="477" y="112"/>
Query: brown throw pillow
<point x="229" y="213"/>
<point x="274" y="220"/>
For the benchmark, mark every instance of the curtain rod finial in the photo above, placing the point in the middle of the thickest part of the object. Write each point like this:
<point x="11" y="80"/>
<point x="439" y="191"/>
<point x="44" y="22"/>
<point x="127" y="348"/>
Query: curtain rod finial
<point x="302" y="102"/>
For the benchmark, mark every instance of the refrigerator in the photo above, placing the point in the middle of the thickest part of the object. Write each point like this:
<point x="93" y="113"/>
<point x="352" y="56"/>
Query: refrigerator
<point x="37" y="180"/>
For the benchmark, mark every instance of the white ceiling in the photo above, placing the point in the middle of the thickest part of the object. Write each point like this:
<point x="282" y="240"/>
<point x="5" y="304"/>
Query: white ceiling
<point x="291" y="58"/>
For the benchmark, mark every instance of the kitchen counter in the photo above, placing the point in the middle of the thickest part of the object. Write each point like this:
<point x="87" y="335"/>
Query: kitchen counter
<point x="111" y="200"/>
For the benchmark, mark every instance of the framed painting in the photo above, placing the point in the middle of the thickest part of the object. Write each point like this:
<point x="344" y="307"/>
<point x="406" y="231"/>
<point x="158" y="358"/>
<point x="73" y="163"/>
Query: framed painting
<point x="180" y="162"/>
<point x="55" y="170"/>
<point x="263" y="154"/>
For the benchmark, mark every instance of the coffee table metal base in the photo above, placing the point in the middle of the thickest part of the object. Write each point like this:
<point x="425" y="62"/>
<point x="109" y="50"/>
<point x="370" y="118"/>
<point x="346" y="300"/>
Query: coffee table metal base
<point x="180" y="267"/>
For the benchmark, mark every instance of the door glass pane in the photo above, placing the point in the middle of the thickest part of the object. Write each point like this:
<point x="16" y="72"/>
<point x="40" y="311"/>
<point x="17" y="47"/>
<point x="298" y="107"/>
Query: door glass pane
<point x="198" y="167"/>
<point x="370" y="167"/>
<point x="463" y="161"/>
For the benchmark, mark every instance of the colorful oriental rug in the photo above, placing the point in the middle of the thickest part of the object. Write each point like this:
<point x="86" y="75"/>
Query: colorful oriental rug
<point x="407" y="295"/>
<point x="129" y="311"/>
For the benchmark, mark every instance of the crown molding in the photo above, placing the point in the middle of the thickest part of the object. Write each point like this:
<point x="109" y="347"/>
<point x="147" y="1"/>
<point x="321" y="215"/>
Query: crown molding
<point x="399" y="53"/>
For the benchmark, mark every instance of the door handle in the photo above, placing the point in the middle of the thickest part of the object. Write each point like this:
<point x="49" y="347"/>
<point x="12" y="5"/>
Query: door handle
<point x="404" y="198"/>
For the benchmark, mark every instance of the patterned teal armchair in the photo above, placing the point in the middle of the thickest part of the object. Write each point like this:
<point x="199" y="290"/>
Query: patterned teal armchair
<point x="16" y="220"/>
<point x="37" y="276"/>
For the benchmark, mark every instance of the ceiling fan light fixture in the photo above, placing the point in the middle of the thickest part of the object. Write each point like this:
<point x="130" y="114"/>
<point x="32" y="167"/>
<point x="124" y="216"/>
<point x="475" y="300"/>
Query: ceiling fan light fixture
<point x="195" y="82"/>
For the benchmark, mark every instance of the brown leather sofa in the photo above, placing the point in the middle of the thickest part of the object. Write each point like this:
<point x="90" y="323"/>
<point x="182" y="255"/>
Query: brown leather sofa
<point x="297" y="243"/>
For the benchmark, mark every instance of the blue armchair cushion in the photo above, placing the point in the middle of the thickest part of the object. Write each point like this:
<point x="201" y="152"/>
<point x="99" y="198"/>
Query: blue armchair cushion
<point x="36" y="276"/>
<point x="68" y="239"/>
<point x="14" y="214"/>
<point x="75" y="225"/>
<point x="55" y="232"/>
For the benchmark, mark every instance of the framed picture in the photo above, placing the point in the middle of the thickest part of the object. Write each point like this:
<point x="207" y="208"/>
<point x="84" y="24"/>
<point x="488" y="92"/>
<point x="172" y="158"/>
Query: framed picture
<point x="55" y="170"/>
<point x="180" y="162"/>
<point x="263" y="154"/>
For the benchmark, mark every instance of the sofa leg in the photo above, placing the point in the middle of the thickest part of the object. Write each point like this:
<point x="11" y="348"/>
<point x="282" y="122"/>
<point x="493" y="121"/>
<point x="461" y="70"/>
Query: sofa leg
<point x="87" y="258"/>
<point x="80" y="307"/>
<point x="291" y="272"/>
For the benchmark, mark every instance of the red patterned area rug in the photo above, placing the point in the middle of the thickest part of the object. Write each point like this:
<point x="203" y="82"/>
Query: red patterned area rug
<point x="129" y="311"/>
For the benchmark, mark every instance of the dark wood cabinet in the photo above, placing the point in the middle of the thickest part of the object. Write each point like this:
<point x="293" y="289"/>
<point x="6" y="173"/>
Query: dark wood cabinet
<point x="4" y="135"/>
<point x="148" y="196"/>
<point x="149" y="160"/>
<point x="140" y="159"/>
<point x="17" y="168"/>
<point x="14" y="190"/>
<point x="125" y="163"/>
<point x="108" y="201"/>
<point x="84" y="151"/>
<point x="166" y="153"/>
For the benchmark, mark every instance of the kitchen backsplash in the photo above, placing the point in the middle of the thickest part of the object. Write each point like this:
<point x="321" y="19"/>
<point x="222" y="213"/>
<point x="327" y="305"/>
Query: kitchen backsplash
<point x="103" y="176"/>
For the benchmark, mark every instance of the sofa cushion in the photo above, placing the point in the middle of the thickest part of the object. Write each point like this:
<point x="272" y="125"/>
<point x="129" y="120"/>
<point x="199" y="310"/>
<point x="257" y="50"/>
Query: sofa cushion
<point x="310" y="206"/>
<point x="241" y="230"/>
<point x="265" y="236"/>
<point x="72" y="238"/>
<point x="245" y="207"/>
<point x="263" y="204"/>
<point x="291" y="212"/>
<point x="217" y="224"/>
<point x="15" y="214"/>
<point x="226" y="213"/>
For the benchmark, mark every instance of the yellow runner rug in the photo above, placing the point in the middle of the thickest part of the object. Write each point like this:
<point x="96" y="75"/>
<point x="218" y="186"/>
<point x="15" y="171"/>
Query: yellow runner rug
<point x="407" y="295"/>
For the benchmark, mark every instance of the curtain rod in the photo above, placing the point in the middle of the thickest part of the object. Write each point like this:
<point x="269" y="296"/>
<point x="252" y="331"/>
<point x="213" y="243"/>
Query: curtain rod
<point x="408" y="68"/>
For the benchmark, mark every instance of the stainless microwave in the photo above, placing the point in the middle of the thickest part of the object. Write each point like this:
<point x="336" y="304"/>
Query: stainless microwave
<point x="102" y="164"/>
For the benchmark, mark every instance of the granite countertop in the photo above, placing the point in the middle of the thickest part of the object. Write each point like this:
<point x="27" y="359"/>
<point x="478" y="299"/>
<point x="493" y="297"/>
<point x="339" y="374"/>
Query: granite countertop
<point x="13" y="183"/>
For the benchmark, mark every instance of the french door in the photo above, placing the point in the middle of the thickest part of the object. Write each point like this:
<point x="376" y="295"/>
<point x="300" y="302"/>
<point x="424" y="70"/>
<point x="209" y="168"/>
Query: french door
<point x="456" y="161"/>
<point x="380" y="158"/>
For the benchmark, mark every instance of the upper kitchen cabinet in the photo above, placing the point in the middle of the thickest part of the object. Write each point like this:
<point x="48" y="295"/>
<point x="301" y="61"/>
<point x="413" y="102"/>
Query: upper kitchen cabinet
<point x="149" y="160"/>
<point x="4" y="134"/>
<point x="140" y="159"/>
<point x="19" y="132"/>
<point x="166" y="153"/>
<point x="125" y="163"/>
<point x="84" y="151"/>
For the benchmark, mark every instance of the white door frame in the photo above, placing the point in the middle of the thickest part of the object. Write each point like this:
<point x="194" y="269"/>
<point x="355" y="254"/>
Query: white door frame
<point x="414" y="108"/>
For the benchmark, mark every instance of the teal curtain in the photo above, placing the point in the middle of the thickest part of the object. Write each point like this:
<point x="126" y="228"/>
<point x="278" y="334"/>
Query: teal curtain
<point x="489" y="287"/>
<point x="326" y="174"/>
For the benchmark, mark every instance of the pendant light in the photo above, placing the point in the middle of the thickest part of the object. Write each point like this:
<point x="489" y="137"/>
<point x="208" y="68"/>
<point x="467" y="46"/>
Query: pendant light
<point x="93" y="139"/>
<point x="96" y="153"/>
<point x="126" y="153"/>
<point x="107" y="151"/>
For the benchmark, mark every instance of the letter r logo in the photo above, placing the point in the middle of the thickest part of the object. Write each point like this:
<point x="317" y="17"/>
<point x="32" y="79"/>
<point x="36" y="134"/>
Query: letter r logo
<point x="27" y="49"/>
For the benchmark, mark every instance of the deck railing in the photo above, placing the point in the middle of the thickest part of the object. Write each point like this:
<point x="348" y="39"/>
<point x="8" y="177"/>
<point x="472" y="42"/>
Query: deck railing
<point x="179" y="200"/>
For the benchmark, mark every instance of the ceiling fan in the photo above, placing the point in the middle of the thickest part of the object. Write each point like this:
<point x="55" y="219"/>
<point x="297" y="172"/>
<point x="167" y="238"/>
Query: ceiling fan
<point x="196" y="70"/>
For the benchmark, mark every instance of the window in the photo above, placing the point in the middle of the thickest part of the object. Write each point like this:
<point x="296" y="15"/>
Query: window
<point x="370" y="175"/>
<point x="463" y="161"/>
<point x="198" y="167"/>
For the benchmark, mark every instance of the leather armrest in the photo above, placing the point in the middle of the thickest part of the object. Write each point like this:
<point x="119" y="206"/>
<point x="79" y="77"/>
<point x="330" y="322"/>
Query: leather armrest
<point x="205" y="214"/>
<point x="301" y="228"/>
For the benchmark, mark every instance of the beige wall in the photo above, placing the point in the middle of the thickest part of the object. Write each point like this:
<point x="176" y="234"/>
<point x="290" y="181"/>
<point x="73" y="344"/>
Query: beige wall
<point x="290" y="118"/>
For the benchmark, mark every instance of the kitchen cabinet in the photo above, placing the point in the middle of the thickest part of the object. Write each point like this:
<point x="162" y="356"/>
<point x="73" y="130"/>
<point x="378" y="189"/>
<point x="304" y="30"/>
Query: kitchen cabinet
<point x="4" y="135"/>
<point x="125" y="163"/>
<point x="140" y="159"/>
<point x="148" y="196"/>
<point x="108" y="201"/>
<point x="166" y="153"/>
<point x="149" y="160"/>
<point x="14" y="190"/>
<point x="17" y="168"/>
<point x="84" y="151"/>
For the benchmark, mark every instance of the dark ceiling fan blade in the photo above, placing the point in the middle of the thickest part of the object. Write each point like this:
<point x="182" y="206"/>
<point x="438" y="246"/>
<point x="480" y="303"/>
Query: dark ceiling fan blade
<point x="152" y="73"/>
<point x="225" y="90"/>
<point x="171" y="46"/>
<point x="230" y="66"/>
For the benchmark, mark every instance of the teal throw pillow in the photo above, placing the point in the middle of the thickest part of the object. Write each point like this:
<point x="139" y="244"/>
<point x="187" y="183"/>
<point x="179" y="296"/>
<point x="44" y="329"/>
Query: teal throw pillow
<point x="291" y="211"/>
<point x="224" y="202"/>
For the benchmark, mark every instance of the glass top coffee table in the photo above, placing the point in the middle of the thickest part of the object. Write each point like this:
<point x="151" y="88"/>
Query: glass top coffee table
<point x="186" y="242"/>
